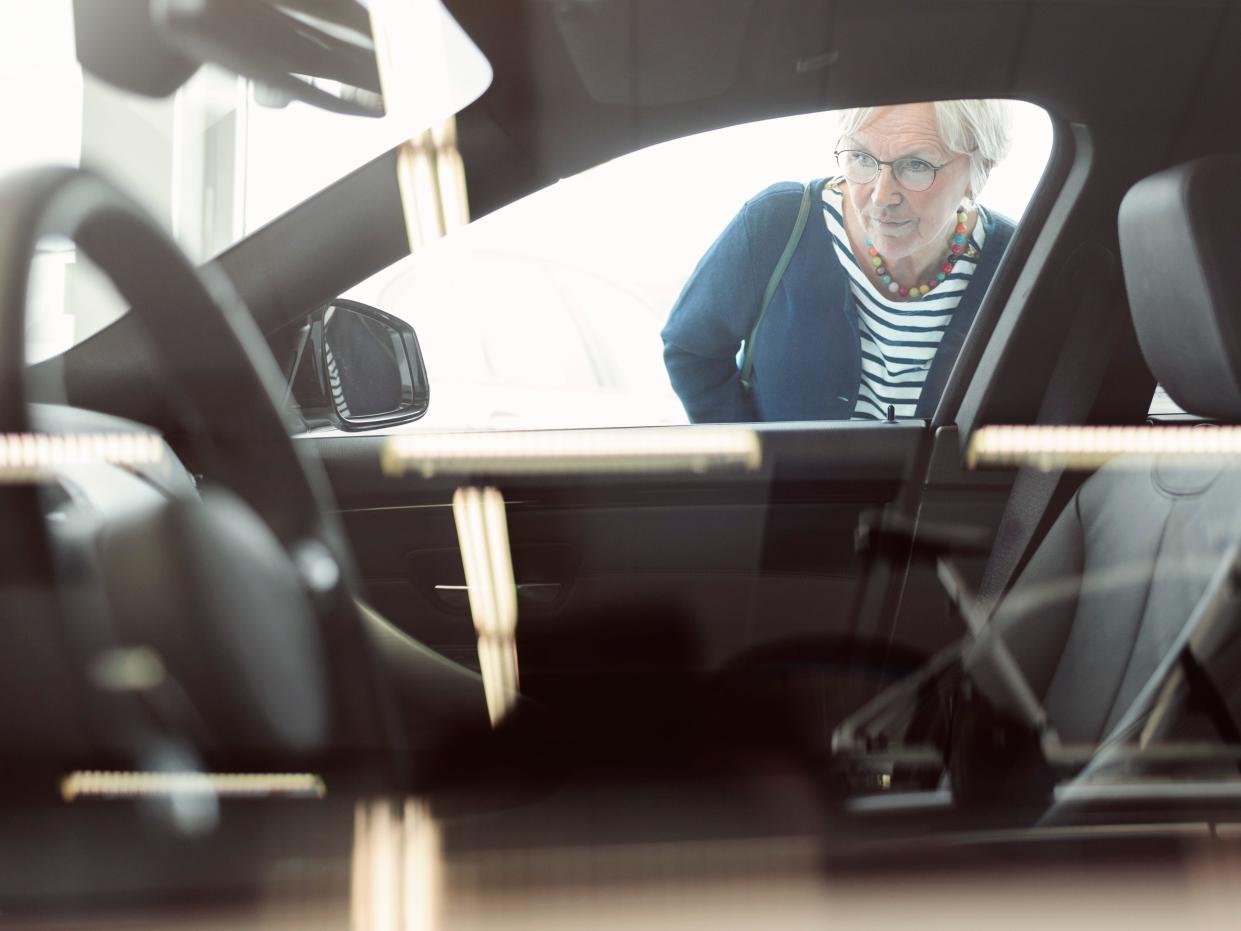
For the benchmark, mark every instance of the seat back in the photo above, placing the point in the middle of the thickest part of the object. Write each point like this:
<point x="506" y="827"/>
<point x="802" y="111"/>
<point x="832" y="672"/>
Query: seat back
<point x="1120" y="572"/>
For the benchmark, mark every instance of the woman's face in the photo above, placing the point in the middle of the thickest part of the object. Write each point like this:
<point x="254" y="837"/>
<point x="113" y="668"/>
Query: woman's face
<point x="903" y="223"/>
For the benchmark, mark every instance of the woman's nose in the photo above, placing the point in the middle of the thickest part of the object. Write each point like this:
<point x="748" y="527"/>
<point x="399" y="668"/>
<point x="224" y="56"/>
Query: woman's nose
<point x="886" y="190"/>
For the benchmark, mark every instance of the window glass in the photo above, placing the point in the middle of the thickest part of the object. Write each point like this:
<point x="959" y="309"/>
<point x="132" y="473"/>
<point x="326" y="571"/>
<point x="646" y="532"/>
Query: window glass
<point x="426" y="289"/>
<point x="621" y="326"/>
<point x="637" y="283"/>
<point x="529" y="338"/>
<point x="1164" y="410"/>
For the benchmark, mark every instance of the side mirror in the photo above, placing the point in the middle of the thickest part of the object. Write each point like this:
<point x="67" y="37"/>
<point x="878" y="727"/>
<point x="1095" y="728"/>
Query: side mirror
<point x="357" y="368"/>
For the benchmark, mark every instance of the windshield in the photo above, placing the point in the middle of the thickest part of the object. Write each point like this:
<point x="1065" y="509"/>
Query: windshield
<point x="212" y="163"/>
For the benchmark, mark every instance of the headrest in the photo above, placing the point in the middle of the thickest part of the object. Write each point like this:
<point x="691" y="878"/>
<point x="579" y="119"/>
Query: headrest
<point x="1180" y="243"/>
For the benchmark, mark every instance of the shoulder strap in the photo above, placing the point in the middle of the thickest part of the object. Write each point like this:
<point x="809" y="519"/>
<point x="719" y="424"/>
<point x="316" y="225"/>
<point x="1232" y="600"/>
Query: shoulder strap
<point x="747" y="358"/>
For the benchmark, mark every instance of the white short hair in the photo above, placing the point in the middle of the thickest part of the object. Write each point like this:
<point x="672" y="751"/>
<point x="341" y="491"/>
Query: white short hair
<point x="981" y="129"/>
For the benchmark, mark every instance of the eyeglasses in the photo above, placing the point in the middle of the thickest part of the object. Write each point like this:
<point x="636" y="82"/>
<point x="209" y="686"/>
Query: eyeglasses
<point x="913" y="174"/>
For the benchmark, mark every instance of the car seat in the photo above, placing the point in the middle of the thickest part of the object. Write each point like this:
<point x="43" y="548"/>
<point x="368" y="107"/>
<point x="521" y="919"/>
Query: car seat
<point x="1116" y="578"/>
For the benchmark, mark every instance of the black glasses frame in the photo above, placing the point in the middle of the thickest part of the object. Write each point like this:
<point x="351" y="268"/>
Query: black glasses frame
<point x="879" y="163"/>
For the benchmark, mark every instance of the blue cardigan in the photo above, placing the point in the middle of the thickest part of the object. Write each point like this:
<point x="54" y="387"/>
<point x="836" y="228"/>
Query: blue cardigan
<point x="807" y="354"/>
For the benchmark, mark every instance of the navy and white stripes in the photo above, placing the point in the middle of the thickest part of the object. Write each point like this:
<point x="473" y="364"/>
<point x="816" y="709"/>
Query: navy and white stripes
<point x="899" y="338"/>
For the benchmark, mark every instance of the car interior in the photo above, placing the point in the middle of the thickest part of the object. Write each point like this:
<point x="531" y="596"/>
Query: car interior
<point x="1134" y="566"/>
<point x="853" y="656"/>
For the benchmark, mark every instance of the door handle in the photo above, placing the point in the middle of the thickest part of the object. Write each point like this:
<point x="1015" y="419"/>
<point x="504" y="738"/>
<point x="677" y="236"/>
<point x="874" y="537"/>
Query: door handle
<point x="540" y="593"/>
<point x="456" y="597"/>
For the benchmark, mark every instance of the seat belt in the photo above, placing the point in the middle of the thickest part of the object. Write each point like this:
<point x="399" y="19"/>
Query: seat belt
<point x="1074" y="387"/>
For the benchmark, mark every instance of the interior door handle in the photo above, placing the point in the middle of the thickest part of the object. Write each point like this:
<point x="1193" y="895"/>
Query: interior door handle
<point x="456" y="597"/>
<point x="542" y="593"/>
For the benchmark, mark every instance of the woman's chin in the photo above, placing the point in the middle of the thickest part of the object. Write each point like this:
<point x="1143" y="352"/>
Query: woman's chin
<point x="894" y="237"/>
<point x="893" y="248"/>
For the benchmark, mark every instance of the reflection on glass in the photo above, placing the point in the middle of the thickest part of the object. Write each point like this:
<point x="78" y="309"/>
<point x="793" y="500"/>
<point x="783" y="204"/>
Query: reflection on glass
<point x="368" y="371"/>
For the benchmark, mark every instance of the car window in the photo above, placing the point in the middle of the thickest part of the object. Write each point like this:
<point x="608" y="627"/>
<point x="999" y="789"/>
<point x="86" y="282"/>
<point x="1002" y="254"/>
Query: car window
<point x="529" y="337"/>
<point x="423" y="288"/>
<point x="508" y="326"/>
<point x="621" y="325"/>
<point x="1164" y="410"/>
<point x="630" y="281"/>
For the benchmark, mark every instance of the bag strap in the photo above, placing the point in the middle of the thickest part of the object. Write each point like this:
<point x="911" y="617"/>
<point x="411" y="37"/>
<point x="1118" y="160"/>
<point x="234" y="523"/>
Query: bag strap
<point x="747" y="357"/>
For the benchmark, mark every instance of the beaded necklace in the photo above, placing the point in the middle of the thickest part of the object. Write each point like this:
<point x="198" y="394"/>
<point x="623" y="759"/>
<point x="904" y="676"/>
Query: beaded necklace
<point x="955" y="248"/>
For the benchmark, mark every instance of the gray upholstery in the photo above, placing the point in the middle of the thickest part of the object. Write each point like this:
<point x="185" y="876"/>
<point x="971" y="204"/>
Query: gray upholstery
<point x="1112" y="584"/>
<point x="1180" y="231"/>
<point x="1121" y="570"/>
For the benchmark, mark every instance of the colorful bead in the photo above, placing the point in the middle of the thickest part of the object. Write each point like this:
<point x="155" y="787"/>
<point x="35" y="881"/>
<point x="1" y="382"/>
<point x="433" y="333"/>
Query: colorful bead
<point x="956" y="247"/>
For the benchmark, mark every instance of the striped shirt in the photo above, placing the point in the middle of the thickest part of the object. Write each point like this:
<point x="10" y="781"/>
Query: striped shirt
<point x="899" y="338"/>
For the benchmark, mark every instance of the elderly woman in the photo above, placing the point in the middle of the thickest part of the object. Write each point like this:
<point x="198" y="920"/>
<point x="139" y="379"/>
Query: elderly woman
<point x="861" y="313"/>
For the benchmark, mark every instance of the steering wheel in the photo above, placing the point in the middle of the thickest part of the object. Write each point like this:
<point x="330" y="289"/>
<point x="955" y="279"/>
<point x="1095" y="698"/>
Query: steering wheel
<point x="241" y="592"/>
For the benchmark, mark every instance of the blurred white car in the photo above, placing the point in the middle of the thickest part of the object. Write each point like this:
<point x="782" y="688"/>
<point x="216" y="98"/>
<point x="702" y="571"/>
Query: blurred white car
<point x="515" y="341"/>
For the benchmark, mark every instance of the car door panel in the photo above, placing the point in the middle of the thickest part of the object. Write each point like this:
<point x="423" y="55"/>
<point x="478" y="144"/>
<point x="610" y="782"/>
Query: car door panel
<point x="735" y="561"/>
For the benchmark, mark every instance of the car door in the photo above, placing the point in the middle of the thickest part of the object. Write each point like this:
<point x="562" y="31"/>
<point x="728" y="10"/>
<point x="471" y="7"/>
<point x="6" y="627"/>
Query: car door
<point x="730" y="564"/>
<point x="708" y="569"/>
<point x="728" y="561"/>
<point x="740" y="560"/>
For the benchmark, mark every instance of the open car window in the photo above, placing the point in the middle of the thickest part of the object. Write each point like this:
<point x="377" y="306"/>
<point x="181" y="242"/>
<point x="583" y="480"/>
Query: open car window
<point x="595" y="265"/>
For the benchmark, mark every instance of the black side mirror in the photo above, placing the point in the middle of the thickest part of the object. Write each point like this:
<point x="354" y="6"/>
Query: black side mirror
<point x="357" y="368"/>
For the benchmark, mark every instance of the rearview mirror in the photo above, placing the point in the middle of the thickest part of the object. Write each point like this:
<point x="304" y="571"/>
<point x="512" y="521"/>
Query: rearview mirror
<point x="358" y="368"/>
<point x="321" y="52"/>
